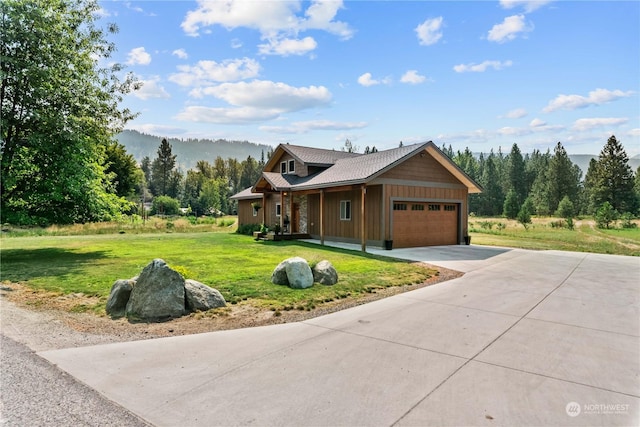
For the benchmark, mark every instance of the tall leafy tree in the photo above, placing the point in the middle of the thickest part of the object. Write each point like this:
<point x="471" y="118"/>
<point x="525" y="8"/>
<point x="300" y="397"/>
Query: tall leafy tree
<point x="60" y="109"/>
<point x="612" y="179"/>
<point x="250" y="172"/>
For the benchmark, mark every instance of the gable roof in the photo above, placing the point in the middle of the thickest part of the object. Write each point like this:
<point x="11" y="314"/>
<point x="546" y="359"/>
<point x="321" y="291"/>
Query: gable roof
<point x="308" y="155"/>
<point x="353" y="168"/>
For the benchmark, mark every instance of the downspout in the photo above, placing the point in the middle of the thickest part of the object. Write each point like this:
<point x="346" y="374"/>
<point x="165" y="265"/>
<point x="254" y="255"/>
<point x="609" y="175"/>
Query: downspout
<point x="363" y="226"/>
<point x="322" y="217"/>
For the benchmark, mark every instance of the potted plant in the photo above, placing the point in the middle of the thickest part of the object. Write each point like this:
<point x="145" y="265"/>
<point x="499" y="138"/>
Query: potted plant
<point x="256" y="206"/>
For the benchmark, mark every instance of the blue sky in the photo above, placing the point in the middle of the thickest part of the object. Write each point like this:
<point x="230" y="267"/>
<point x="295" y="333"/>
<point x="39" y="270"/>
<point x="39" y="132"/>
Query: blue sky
<point x="477" y="74"/>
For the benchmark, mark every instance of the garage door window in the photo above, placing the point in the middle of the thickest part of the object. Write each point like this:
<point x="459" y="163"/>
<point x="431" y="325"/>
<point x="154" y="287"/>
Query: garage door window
<point x="450" y="208"/>
<point x="399" y="206"/>
<point x="417" y="207"/>
<point x="434" y="207"/>
<point x="345" y="210"/>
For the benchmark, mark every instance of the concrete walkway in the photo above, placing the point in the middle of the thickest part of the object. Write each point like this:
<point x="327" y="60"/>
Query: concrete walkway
<point x="524" y="338"/>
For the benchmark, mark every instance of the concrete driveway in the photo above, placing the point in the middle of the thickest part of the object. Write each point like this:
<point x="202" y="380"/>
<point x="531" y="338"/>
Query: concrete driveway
<point x="524" y="338"/>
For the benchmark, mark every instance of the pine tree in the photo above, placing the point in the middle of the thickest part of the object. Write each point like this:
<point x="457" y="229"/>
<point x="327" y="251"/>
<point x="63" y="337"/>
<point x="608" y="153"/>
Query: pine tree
<point x="516" y="174"/>
<point x="161" y="170"/>
<point x="563" y="178"/>
<point x="612" y="180"/>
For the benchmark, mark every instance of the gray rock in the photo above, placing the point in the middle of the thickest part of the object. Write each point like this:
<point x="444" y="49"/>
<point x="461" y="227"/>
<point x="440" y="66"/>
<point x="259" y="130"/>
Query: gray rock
<point x="279" y="275"/>
<point x="202" y="297"/>
<point x="119" y="297"/>
<point x="324" y="273"/>
<point x="158" y="293"/>
<point x="299" y="273"/>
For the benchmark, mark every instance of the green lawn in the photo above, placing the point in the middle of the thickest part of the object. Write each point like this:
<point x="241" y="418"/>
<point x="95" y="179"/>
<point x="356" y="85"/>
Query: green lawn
<point x="585" y="237"/>
<point x="236" y="265"/>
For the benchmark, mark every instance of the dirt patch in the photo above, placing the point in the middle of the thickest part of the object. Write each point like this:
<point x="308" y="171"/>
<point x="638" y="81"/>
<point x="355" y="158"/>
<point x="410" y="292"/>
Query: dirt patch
<point x="66" y="312"/>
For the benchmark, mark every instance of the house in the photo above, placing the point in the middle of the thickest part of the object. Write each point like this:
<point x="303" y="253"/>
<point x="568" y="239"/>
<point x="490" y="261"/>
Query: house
<point x="404" y="197"/>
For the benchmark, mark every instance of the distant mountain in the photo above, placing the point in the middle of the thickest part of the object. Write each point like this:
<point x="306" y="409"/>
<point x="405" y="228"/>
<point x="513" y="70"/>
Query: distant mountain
<point x="582" y="160"/>
<point x="189" y="151"/>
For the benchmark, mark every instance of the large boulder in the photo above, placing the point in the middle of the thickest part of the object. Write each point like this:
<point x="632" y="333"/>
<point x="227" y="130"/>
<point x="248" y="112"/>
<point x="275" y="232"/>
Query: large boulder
<point x="324" y="273"/>
<point x="158" y="293"/>
<point x="279" y="275"/>
<point x="202" y="297"/>
<point x="119" y="296"/>
<point x="299" y="273"/>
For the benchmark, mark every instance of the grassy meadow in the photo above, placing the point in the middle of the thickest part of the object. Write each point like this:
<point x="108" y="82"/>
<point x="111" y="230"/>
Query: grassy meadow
<point x="547" y="233"/>
<point x="86" y="259"/>
<point x="238" y="266"/>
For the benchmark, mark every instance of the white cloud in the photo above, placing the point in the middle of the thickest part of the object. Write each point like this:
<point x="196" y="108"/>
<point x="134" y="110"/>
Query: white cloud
<point x="286" y="47"/>
<point x="307" y="126"/>
<point x="482" y="67"/>
<point x="536" y="123"/>
<point x="528" y="5"/>
<point x="275" y="20"/>
<point x="518" y="113"/>
<point x="268" y="95"/>
<point x="242" y="115"/>
<point x="180" y="53"/>
<point x="367" y="80"/>
<point x="412" y="77"/>
<point x="511" y="131"/>
<point x="209" y="72"/>
<point x="595" y="97"/>
<point x="634" y="132"/>
<point x="138" y="56"/>
<point x="153" y="129"/>
<point x="430" y="31"/>
<point x="597" y="122"/>
<point x="509" y="29"/>
<point x="151" y="88"/>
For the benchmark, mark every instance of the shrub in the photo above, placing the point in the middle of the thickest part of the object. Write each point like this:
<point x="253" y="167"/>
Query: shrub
<point x="605" y="215"/>
<point x="565" y="208"/>
<point x="627" y="220"/>
<point x="165" y="205"/>
<point x="248" y="229"/>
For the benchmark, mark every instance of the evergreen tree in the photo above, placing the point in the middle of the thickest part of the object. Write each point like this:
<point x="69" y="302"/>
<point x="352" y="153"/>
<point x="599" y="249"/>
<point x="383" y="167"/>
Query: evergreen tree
<point x="250" y="172"/>
<point x="161" y="170"/>
<point x="490" y="201"/>
<point x="516" y="174"/>
<point x="122" y="170"/>
<point x="563" y="178"/>
<point x="511" y="205"/>
<point x="612" y="180"/>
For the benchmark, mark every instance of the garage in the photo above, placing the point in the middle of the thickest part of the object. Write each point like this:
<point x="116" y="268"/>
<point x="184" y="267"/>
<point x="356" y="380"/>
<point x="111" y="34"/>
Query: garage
<point x="424" y="224"/>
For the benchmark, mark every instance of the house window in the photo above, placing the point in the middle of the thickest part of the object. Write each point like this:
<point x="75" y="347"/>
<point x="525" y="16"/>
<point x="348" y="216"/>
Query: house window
<point x="255" y="211"/>
<point x="399" y="206"/>
<point x="283" y="167"/>
<point x="434" y="207"/>
<point x="292" y="166"/>
<point x="450" y="208"/>
<point x="417" y="207"/>
<point x="345" y="210"/>
<point x="278" y="209"/>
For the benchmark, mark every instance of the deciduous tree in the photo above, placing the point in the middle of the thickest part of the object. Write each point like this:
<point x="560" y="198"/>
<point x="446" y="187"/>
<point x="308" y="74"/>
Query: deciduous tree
<point x="60" y="109"/>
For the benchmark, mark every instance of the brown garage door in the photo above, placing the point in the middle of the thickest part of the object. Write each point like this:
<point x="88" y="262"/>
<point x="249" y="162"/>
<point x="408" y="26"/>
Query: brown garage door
<point x="424" y="224"/>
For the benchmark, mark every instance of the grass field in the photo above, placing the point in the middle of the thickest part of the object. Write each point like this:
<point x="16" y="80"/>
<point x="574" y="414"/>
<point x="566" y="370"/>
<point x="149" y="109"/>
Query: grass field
<point x="239" y="267"/>
<point x="541" y="234"/>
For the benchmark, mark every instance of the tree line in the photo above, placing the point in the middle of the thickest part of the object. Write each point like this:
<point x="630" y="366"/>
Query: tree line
<point x="60" y="162"/>
<point x="549" y="183"/>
